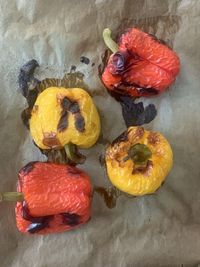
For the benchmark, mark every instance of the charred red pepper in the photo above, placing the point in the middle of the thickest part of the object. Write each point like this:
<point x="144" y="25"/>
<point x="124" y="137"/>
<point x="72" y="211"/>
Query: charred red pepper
<point x="141" y="65"/>
<point x="57" y="198"/>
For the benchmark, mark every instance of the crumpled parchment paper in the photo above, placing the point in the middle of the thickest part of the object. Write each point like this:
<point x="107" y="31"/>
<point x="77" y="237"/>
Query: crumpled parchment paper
<point x="157" y="230"/>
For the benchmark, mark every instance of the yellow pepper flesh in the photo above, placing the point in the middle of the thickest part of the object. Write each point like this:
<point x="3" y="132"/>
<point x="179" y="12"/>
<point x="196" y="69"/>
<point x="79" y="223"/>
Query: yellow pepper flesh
<point x="128" y="176"/>
<point x="47" y="112"/>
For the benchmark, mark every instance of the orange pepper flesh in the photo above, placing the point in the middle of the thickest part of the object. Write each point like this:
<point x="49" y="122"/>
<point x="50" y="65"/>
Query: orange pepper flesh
<point x="57" y="198"/>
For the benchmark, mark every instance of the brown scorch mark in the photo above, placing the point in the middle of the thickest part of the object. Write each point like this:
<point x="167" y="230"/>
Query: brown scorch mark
<point x="153" y="138"/>
<point x="137" y="134"/>
<point x="63" y="122"/>
<point x="121" y="138"/>
<point x="51" y="140"/>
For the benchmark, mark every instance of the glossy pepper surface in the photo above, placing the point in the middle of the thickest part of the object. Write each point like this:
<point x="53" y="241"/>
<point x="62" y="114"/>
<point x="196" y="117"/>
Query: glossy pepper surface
<point x="61" y="116"/>
<point x="138" y="161"/>
<point x="141" y="65"/>
<point x="56" y="198"/>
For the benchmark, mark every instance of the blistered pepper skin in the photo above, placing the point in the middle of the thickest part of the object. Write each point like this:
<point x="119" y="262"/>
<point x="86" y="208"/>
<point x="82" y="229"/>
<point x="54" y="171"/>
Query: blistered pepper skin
<point x="53" y="126"/>
<point x="149" y="67"/>
<point x="57" y="198"/>
<point x="126" y="175"/>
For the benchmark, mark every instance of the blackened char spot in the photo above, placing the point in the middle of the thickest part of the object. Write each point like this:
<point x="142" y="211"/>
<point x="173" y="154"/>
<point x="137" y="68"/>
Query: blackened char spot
<point x="66" y="103"/>
<point x="149" y="91"/>
<point x="119" y="62"/>
<point x="121" y="138"/>
<point x="28" y="168"/>
<point x="36" y="227"/>
<point x="63" y="122"/>
<point x="71" y="219"/>
<point x="124" y="87"/>
<point x="79" y="122"/>
<point x="37" y="223"/>
<point x="85" y="60"/>
<point x="25" y="213"/>
<point x="27" y="216"/>
<point x="73" y="107"/>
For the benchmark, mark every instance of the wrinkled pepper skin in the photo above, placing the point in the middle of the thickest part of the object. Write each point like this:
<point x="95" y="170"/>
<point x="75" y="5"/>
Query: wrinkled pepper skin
<point x="143" y="66"/>
<point x="61" y="116"/>
<point x="129" y="177"/>
<point x="57" y="198"/>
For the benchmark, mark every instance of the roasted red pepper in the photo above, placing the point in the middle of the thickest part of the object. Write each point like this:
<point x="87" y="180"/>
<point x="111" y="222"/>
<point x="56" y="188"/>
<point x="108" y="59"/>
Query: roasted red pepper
<point x="141" y="65"/>
<point x="56" y="198"/>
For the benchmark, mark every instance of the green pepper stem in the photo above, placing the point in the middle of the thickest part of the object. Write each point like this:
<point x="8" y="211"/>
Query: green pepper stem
<point x="140" y="154"/>
<point x="112" y="45"/>
<point x="11" y="196"/>
<point x="73" y="155"/>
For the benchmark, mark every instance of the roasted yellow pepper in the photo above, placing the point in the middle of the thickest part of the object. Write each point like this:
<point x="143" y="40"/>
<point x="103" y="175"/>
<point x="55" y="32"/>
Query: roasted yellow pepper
<point x="138" y="161"/>
<point x="61" y="116"/>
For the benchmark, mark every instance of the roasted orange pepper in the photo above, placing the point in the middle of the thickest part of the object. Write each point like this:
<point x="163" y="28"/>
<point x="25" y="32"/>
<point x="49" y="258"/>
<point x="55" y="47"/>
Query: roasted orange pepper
<point x="56" y="197"/>
<point x="138" y="161"/>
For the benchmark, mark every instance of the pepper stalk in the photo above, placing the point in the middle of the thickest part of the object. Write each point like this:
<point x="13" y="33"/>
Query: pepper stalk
<point x="110" y="43"/>
<point x="140" y="154"/>
<point x="73" y="155"/>
<point x="11" y="196"/>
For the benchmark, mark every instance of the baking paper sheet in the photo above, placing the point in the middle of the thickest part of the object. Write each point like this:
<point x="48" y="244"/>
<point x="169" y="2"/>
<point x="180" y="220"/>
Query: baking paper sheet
<point x="157" y="230"/>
